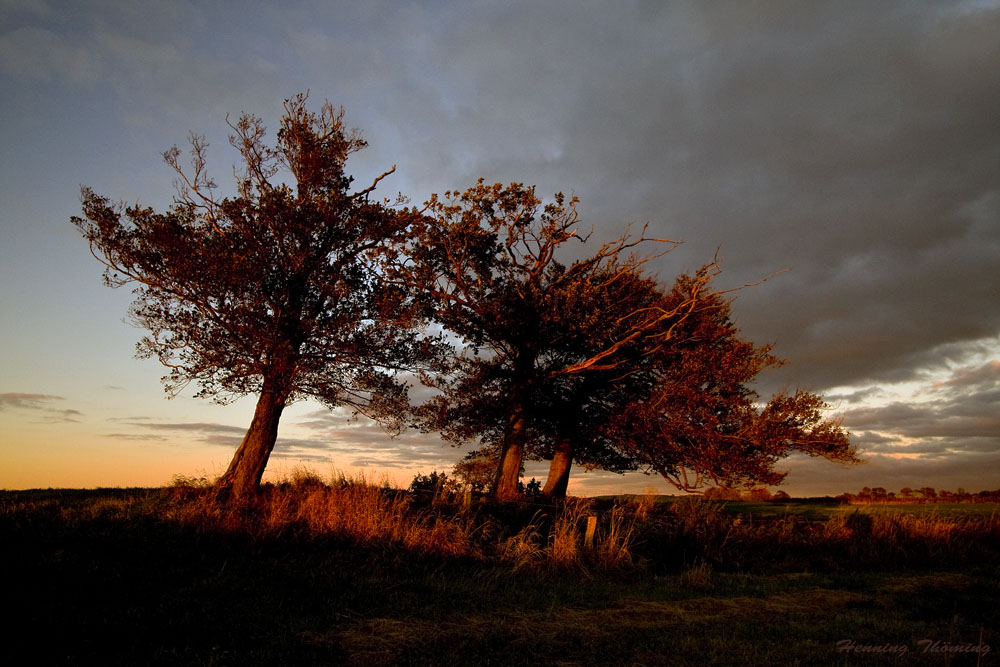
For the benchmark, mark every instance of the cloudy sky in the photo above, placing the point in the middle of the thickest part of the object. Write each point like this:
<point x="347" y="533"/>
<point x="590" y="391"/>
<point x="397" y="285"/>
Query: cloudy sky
<point x="856" y="144"/>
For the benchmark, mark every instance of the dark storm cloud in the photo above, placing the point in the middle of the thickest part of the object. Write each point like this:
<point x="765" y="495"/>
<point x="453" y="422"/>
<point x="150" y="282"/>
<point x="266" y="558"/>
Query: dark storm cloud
<point x="860" y="149"/>
<point x="858" y="396"/>
<point x="41" y="406"/>
<point x="856" y="144"/>
<point x="978" y="380"/>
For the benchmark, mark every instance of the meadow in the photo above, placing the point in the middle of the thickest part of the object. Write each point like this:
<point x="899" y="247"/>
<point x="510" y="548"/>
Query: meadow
<point x="345" y="571"/>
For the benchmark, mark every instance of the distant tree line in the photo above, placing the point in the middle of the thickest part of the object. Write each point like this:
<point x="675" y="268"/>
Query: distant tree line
<point x="906" y="495"/>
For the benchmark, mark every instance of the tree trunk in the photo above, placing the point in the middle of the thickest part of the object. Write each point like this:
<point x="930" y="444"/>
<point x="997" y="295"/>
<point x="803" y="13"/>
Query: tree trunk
<point x="242" y="480"/>
<point x="516" y="431"/>
<point x="558" y="479"/>
<point x="509" y="470"/>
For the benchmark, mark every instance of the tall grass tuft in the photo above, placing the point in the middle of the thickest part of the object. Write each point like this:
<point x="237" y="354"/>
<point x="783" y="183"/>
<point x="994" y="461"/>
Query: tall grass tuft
<point x="612" y="546"/>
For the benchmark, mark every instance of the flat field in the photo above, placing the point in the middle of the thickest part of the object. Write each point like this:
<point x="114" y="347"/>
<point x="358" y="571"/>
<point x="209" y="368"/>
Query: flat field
<point x="357" y="575"/>
<point x="821" y="509"/>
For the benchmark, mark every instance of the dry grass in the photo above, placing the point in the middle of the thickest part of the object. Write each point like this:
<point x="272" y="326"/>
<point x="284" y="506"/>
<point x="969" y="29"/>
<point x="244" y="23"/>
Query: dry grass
<point x="357" y="509"/>
<point x="697" y="577"/>
<point x="349" y="571"/>
<point x="680" y="537"/>
<point x="560" y="543"/>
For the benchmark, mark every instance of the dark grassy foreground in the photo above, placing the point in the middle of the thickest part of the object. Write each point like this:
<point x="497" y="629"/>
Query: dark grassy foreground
<point x="353" y="574"/>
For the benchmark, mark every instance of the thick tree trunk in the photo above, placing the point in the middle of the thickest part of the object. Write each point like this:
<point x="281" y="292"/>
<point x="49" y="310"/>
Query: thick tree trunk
<point x="558" y="479"/>
<point x="509" y="470"/>
<point x="242" y="480"/>
<point x="516" y="430"/>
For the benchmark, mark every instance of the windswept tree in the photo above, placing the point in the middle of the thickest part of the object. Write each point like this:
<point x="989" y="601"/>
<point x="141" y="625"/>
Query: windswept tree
<point x="702" y="421"/>
<point x="572" y="403"/>
<point x="268" y="291"/>
<point x="487" y="265"/>
<point x="677" y="401"/>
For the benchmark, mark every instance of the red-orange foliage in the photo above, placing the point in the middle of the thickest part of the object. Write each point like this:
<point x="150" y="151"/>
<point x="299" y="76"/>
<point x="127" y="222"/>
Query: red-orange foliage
<point x="270" y="291"/>
<point x="703" y="421"/>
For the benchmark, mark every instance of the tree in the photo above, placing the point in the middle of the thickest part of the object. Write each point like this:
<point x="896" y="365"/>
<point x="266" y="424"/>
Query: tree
<point x="485" y="262"/>
<point x="269" y="291"/>
<point x="583" y="416"/>
<point x="679" y="402"/>
<point x="593" y="362"/>
<point x="702" y="421"/>
<point x="433" y="482"/>
<point x="567" y="410"/>
<point x="476" y="470"/>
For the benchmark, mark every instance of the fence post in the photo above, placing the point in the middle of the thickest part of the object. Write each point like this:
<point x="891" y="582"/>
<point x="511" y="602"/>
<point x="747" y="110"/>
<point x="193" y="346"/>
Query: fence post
<point x="588" y="538"/>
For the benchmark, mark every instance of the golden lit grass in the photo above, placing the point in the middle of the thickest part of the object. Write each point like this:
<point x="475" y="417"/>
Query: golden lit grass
<point x="561" y="543"/>
<point x="356" y="509"/>
<point x="564" y="545"/>
<point x="690" y="536"/>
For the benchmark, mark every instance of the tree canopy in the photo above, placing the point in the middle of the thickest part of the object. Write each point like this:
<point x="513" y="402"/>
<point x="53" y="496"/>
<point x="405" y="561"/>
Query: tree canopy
<point x="269" y="291"/>
<point x="677" y="401"/>
<point x="702" y="421"/>
<point x="488" y="267"/>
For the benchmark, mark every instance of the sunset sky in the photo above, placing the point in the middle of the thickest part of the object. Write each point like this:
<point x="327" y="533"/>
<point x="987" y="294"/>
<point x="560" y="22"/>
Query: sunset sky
<point x="856" y="144"/>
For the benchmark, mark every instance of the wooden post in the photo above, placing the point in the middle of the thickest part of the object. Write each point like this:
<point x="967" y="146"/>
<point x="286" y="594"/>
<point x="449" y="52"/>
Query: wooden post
<point x="588" y="538"/>
<point x="467" y="498"/>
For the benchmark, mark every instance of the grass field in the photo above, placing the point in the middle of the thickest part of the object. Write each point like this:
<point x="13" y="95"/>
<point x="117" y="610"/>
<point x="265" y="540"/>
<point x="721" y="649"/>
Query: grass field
<point x="821" y="509"/>
<point x="351" y="573"/>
